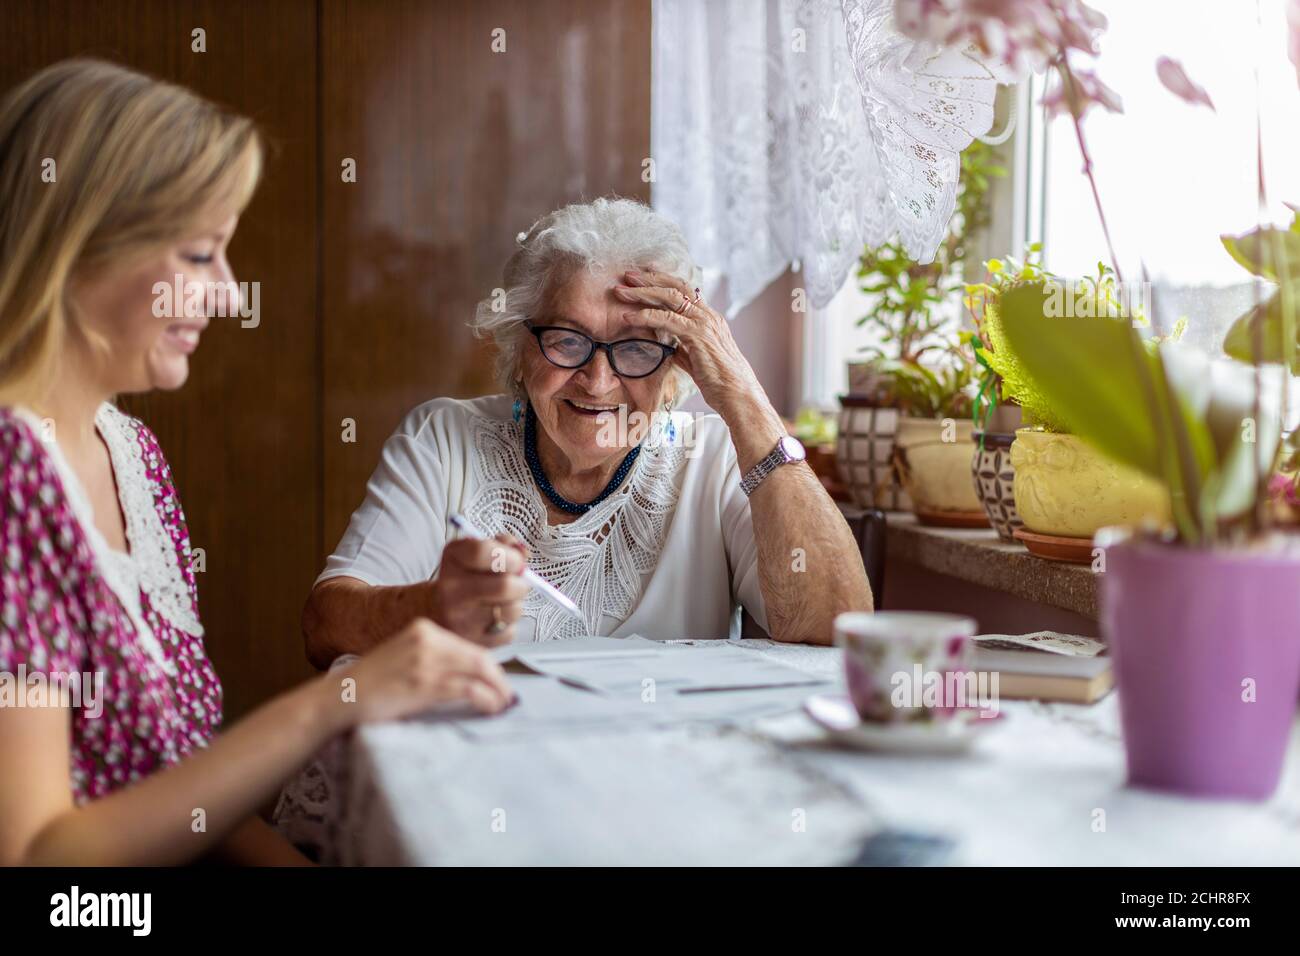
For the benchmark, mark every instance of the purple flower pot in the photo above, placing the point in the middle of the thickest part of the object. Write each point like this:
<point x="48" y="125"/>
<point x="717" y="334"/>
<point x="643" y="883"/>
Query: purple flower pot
<point x="1189" y="630"/>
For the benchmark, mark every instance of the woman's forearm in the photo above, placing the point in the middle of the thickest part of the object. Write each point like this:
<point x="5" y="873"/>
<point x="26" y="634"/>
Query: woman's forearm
<point x="256" y="843"/>
<point x="178" y="814"/>
<point x="809" y="565"/>
<point x="347" y="616"/>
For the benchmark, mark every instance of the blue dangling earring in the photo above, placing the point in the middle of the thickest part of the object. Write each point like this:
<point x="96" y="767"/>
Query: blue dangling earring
<point x="517" y="410"/>
<point x="670" y="429"/>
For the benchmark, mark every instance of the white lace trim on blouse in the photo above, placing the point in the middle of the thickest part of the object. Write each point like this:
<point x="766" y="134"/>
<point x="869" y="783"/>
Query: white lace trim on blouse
<point x="152" y="565"/>
<point x="600" y="560"/>
<point x="152" y="547"/>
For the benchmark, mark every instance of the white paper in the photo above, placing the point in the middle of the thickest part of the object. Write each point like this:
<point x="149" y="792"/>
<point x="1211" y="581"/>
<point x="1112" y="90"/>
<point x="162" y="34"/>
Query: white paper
<point x="648" y="666"/>
<point x="547" y="706"/>
<point x="579" y="646"/>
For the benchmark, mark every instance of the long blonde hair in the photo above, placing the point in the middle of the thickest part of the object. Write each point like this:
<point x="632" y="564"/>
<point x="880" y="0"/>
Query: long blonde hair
<point x="99" y="164"/>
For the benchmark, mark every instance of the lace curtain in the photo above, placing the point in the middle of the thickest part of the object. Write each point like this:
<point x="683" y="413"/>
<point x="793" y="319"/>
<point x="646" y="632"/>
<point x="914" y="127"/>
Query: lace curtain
<point x="796" y="131"/>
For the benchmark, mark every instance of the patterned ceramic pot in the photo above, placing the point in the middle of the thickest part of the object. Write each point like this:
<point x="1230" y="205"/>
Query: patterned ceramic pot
<point x="1065" y="487"/>
<point x="994" y="479"/>
<point x="933" y="457"/>
<point x="864" y="454"/>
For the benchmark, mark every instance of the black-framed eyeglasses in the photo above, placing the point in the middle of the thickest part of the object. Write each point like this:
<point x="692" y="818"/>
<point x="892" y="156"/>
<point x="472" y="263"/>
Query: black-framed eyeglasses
<point x="629" y="358"/>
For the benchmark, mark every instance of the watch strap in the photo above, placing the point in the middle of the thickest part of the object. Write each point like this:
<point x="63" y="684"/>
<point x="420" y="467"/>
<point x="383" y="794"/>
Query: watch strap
<point x="770" y="463"/>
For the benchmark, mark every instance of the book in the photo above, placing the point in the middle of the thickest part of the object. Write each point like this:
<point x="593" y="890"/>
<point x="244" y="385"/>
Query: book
<point x="1045" y="665"/>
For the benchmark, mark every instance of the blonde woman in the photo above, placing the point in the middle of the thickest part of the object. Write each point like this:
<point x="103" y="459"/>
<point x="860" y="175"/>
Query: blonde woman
<point x="98" y="608"/>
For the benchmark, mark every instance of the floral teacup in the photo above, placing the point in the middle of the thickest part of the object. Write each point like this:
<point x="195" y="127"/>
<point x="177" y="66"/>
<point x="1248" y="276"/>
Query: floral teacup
<point x="898" y="664"/>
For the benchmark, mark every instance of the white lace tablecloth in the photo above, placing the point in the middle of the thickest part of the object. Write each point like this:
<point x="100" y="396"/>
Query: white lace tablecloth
<point x="1046" y="788"/>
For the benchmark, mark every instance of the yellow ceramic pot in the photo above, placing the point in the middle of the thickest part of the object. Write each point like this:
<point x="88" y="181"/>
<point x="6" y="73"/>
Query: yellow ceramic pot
<point x="933" y="457"/>
<point x="1066" y="487"/>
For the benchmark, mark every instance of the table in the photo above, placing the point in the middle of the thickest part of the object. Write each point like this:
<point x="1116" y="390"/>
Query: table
<point x="1046" y="788"/>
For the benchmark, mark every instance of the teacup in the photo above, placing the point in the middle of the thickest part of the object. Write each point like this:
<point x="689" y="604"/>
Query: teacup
<point x="893" y="661"/>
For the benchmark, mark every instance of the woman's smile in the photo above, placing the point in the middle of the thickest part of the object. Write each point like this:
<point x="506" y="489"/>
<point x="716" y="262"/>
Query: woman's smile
<point x="588" y="409"/>
<point x="183" y="337"/>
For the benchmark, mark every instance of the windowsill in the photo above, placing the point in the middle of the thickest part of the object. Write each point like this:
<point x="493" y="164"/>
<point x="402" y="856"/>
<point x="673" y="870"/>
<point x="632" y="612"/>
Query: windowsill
<point x="980" y="557"/>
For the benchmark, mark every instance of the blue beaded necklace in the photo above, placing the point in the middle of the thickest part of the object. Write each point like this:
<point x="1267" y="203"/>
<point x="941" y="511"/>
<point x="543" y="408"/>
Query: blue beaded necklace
<point x="539" y="476"/>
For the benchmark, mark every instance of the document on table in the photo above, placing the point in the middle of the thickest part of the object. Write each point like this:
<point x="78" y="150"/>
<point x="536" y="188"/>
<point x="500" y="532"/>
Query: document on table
<point x="639" y="665"/>
<point x="546" y="705"/>
<point x="583" y="646"/>
<point x="602" y="683"/>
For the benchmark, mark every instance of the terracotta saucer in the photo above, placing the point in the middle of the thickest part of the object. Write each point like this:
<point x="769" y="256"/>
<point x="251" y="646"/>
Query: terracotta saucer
<point x="1056" y="547"/>
<point x="952" y="519"/>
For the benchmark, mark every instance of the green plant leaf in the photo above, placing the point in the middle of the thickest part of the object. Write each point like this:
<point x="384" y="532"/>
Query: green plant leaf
<point x="1188" y="455"/>
<point x="1093" y="372"/>
<point x="1259" y="251"/>
<point x="1240" y="343"/>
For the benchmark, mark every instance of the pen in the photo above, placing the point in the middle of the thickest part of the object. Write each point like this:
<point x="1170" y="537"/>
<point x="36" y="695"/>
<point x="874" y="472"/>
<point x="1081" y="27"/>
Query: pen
<point x="549" y="590"/>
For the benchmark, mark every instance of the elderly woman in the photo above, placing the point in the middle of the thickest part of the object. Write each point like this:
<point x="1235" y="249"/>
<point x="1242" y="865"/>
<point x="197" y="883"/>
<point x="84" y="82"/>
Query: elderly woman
<point x="652" y="523"/>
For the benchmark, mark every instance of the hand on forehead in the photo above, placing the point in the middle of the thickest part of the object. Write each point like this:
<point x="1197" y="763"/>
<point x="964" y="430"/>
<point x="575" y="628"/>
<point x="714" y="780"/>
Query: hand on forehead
<point x="622" y="324"/>
<point x="587" y="303"/>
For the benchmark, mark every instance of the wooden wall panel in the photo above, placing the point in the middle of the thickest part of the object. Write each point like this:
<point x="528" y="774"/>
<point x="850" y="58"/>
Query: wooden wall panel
<point x="242" y="437"/>
<point x="458" y="148"/>
<point x="366" y="287"/>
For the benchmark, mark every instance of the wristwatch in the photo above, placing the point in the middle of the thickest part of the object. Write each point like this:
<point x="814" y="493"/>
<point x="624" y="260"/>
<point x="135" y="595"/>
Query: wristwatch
<point x="788" y="449"/>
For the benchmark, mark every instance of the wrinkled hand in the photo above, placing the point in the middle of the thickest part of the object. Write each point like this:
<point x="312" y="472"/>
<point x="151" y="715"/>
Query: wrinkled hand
<point x="418" y="668"/>
<point x="706" y="349"/>
<point x="477" y="577"/>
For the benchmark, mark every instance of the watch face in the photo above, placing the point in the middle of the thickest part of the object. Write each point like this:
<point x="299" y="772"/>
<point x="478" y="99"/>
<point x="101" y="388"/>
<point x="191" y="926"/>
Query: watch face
<point x="793" y="448"/>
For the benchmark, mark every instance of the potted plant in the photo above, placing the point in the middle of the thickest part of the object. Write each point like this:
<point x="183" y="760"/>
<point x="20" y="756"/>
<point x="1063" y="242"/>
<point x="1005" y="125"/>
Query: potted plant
<point x="1202" y="619"/>
<point x="993" y="476"/>
<point x="996" y="416"/>
<point x="1202" y="615"/>
<point x="915" y="368"/>
<point x="932" y="447"/>
<point x="1063" y="490"/>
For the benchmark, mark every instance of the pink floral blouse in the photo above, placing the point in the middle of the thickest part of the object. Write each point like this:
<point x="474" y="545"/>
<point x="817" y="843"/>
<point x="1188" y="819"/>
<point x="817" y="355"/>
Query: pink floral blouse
<point x="127" y="622"/>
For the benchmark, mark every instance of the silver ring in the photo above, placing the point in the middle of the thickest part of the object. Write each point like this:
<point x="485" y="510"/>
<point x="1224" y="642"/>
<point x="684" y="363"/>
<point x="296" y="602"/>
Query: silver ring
<point x="497" y="625"/>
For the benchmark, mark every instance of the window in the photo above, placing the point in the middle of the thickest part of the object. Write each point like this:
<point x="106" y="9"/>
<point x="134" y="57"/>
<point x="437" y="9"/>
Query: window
<point x="1172" y="176"/>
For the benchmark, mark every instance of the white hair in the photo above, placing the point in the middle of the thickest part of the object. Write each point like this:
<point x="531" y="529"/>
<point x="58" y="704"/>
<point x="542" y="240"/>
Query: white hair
<point x="607" y="234"/>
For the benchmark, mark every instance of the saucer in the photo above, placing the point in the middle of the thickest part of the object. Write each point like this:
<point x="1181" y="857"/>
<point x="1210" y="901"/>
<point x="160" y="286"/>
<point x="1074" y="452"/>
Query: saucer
<point x="836" y="714"/>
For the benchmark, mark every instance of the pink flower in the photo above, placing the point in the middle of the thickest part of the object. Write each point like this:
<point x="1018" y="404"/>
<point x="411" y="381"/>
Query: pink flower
<point x="1282" y="488"/>
<point x="1086" y="90"/>
<point x="1176" y="81"/>
<point x="1023" y="34"/>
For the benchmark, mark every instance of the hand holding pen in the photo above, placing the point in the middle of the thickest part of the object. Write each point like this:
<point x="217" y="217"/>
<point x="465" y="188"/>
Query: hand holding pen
<point x="535" y="580"/>
<point x="480" y="588"/>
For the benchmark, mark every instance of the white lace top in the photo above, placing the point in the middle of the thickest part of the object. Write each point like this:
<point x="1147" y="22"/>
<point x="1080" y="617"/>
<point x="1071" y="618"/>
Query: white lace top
<point x="671" y="554"/>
